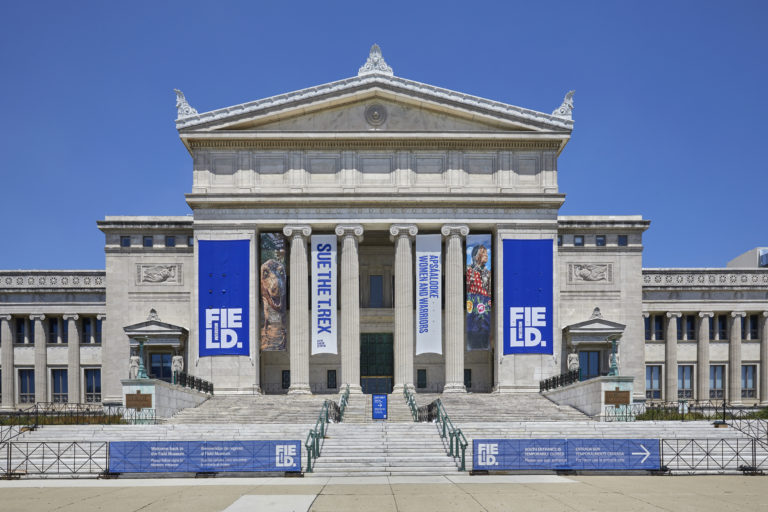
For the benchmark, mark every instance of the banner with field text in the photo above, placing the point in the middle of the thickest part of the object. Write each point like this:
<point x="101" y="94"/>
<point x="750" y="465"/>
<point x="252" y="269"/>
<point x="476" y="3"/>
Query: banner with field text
<point x="429" y="320"/>
<point x="324" y="327"/>
<point x="223" y="270"/>
<point x="528" y="283"/>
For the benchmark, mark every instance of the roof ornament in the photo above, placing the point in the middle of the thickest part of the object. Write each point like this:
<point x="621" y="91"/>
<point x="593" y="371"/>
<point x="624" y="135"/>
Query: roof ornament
<point x="565" y="111"/>
<point x="375" y="64"/>
<point x="596" y="314"/>
<point x="184" y="108"/>
<point x="153" y="316"/>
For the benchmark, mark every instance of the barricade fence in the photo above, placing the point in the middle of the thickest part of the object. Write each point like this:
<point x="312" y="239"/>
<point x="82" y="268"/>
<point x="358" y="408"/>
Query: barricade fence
<point x="50" y="413"/>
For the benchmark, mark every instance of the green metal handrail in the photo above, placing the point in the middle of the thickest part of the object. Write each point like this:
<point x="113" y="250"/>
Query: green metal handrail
<point x="456" y="440"/>
<point x="343" y="403"/>
<point x="411" y="401"/>
<point x="316" y="434"/>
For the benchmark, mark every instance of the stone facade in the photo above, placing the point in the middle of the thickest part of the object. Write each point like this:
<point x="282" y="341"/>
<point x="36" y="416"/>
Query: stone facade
<point x="375" y="160"/>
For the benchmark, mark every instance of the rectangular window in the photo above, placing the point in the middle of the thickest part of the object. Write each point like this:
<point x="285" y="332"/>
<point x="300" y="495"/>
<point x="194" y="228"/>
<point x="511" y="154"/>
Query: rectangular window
<point x="376" y="290"/>
<point x="690" y="327"/>
<point x="93" y="385"/>
<point x="59" y="386"/>
<point x="685" y="381"/>
<point x="160" y="366"/>
<point x="65" y="331"/>
<point x="647" y="322"/>
<point x="286" y="379"/>
<point x="717" y="381"/>
<point x="125" y="241"/>
<point x="623" y="240"/>
<point x="190" y="241"/>
<point x="653" y="382"/>
<point x="21" y="326"/>
<point x="27" y="386"/>
<point x="99" y="325"/>
<point x="600" y="240"/>
<point x="421" y="378"/>
<point x="559" y="240"/>
<point x="53" y="330"/>
<point x="658" y="327"/>
<point x="722" y="327"/>
<point x="748" y="387"/>
<point x="467" y="378"/>
<point x="85" y="333"/>
<point x="330" y="379"/>
<point x="749" y="328"/>
<point x="148" y="241"/>
<point x="170" y="241"/>
<point x="578" y="240"/>
<point x="589" y="364"/>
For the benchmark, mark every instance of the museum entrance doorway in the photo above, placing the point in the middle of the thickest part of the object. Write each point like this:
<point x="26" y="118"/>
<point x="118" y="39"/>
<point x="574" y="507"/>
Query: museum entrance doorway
<point x="377" y="362"/>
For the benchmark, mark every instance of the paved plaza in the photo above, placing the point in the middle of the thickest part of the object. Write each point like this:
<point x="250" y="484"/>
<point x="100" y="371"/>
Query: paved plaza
<point x="464" y="493"/>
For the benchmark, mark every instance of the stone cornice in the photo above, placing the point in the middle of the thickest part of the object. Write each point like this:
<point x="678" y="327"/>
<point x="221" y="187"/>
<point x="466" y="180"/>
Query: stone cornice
<point x="20" y="280"/>
<point x="365" y="83"/>
<point x="704" y="278"/>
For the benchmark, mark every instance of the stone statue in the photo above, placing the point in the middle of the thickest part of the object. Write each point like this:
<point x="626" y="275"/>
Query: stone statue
<point x="133" y="366"/>
<point x="177" y="364"/>
<point x="573" y="361"/>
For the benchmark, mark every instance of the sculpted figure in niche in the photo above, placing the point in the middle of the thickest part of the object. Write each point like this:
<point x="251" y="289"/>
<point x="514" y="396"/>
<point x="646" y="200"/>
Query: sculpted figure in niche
<point x="573" y="361"/>
<point x="177" y="364"/>
<point x="133" y="365"/>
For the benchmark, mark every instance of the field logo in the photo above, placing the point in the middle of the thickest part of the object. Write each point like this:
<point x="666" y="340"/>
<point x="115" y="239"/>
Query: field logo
<point x="220" y="325"/>
<point x="525" y="326"/>
<point x="486" y="454"/>
<point x="284" y="455"/>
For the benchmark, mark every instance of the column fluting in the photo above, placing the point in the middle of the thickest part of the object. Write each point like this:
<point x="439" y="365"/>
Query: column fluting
<point x="454" y="307"/>
<point x="403" y="234"/>
<point x="299" y="314"/>
<point x="350" y="236"/>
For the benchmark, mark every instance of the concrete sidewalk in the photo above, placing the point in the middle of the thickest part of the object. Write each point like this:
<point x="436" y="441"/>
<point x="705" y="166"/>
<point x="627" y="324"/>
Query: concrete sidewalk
<point x="419" y="494"/>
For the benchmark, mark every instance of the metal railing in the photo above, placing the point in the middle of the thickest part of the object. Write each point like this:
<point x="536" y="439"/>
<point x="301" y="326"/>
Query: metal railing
<point x="343" y="403"/>
<point x="713" y="455"/>
<point x="52" y="413"/>
<point x="435" y="411"/>
<point x="53" y="458"/>
<point x="564" y="379"/>
<point x="192" y="382"/>
<point x="317" y="434"/>
<point x="8" y="432"/>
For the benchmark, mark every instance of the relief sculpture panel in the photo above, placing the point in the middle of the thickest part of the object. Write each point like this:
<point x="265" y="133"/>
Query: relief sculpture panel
<point x="158" y="273"/>
<point x="590" y="273"/>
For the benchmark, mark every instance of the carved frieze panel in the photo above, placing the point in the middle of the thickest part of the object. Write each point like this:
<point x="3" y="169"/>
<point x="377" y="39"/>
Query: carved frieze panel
<point x="158" y="273"/>
<point x="705" y="278"/>
<point x="56" y="279"/>
<point x="581" y="273"/>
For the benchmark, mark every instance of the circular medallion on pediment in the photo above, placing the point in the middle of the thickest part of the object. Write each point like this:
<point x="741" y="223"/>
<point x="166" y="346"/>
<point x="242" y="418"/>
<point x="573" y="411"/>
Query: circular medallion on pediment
<point x="375" y="114"/>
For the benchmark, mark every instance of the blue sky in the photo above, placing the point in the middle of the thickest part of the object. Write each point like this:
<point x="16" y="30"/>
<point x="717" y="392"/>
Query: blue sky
<point x="669" y="119"/>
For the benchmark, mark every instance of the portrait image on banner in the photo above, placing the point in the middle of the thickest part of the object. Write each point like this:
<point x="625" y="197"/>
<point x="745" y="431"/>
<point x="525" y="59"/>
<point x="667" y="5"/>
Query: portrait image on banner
<point x="324" y="278"/>
<point x="478" y="287"/>
<point x="528" y="296"/>
<point x="223" y="297"/>
<point x="273" y="291"/>
<point x="429" y="319"/>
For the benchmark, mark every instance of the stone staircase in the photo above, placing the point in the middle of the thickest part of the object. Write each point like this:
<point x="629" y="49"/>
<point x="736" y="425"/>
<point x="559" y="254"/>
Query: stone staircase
<point x="255" y="409"/>
<point x="358" y="409"/>
<point x="491" y="407"/>
<point x="383" y="449"/>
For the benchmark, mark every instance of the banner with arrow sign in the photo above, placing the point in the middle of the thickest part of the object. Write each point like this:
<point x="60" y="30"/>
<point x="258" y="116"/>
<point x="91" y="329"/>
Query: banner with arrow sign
<point x="566" y="454"/>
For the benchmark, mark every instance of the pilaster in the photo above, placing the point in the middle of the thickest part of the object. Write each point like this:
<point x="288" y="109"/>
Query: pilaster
<point x="670" y="357"/>
<point x="702" y="356"/>
<point x="734" y="358"/>
<point x="41" y="359"/>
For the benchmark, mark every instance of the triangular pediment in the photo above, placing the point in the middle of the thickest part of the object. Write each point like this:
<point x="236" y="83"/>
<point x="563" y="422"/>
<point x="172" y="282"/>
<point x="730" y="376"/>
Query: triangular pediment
<point x="596" y="325"/>
<point x="154" y="328"/>
<point x="372" y="103"/>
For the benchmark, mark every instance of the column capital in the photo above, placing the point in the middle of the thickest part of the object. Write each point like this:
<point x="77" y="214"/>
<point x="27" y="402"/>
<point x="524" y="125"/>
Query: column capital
<point x="646" y="314"/>
<point x="297" y="230"/>
<point x="70" y="316"/>
<point x="350" y="230"/>
<point x="37" y="316"/>
<point x="403" y="230"/>
<point x="674" y="314"/>
<point x="454" y="230"/>
<point x="101" y="316"/>
<point x="708" y="314"/>
<point x="7" y="317"/>
<point x="765" y="314"/>
<point x="734" y="314"/>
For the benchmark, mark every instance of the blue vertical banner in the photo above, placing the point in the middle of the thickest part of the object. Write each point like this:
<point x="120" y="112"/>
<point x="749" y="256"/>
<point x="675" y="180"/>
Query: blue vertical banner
<point x="528" y="308"/>
<point x="223" y="271"/>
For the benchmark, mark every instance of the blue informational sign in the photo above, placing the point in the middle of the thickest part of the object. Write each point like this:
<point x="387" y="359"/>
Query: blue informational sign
<point x="568" y="454"/>
<point x="379" y="407"/>
<point x="203" y="456"/>
<point x="528" y="284"/>
<point x="223" y="271"/>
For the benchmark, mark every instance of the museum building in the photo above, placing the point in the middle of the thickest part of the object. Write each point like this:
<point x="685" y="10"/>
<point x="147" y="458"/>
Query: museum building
<point x="378" y="232"/>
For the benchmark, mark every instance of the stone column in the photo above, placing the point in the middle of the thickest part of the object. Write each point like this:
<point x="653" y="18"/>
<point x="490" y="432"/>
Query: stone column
<point x="73" y="358"/>
<point x="454" y="307"/>
<point x="403" y="234"/>
<point x="763" y="359"/>
<point x="41" y="359"/>
<point x="702" y="356"/>
<point x="670" y="357"/>
<point x="350" y="236"/>
<point x="298" y="329"/>
<point x="6" y="336"/>
<point x="734" y="358"/>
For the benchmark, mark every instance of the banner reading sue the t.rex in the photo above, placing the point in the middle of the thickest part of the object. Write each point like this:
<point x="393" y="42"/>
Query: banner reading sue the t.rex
<point x="324" y="277"/>
<point x="273" y="294"/>
<point x="223" y="267"/>
<point x="528" y="286"/>
<point x="478" y="286"/>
